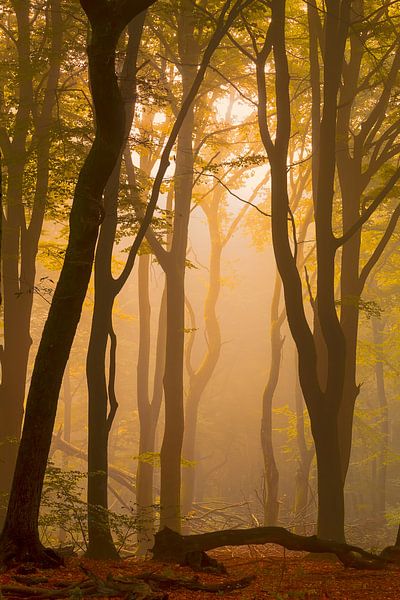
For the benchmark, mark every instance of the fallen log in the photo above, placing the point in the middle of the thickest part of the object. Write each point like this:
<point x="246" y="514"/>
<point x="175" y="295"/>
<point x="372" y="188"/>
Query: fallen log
<point x="170" y="546"/>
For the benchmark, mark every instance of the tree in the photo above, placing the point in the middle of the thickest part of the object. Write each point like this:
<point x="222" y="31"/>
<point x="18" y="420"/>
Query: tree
<point x="26" y="141"/>
<point x="19" y="539"/>
<point x="322" y="402"/>
<point x="322" y="362"/>
<point x="102" y="398"/>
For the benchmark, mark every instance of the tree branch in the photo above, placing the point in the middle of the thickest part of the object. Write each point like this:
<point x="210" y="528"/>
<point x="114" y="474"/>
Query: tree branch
<point x="368" y="212"/>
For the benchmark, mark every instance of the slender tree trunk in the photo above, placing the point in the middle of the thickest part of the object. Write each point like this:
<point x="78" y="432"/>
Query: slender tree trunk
<point x="147" y="443"/>
<point x="189" y="449"/>
<point x="170" y="493"/>
<point x="271" y="473"/>
<point x="144" y="473"/>
<point x="357" y="167"/>
<point x="199" y="378"/>
<point x="306" y="455"/>
<point x="66" y="431"/>
<point x="381" y="466"/>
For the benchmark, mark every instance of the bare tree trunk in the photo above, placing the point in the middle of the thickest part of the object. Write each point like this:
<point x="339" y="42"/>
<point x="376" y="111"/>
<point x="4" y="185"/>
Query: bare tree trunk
<point x="271" y="473"/>
<point x="381" y="467"/>
<point x="66" y="430"/>
<point x="170" y="493"/>
<point x="199" y="378"/>
<point x="306" y="455"/>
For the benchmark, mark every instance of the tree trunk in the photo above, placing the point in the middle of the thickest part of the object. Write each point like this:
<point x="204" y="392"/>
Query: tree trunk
<point x="66" y="430"/>
<point x="330" y="485"/>
<point x="170" y="502"/>
<point x="20" y="538"/>
<point x="144" y="473"/>
<point x="381" y="467"/>
<point x="102" y="401"/>
<point x="271" y="473"/>
<point x="306" y="455"/>
<point x="19" y="242"/>
<point x="199" y="378"/>
<point x="170" y="493"/>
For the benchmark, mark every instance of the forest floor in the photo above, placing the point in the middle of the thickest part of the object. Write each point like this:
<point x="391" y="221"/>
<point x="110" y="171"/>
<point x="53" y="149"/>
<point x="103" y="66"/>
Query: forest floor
<point x="278" y="575"/>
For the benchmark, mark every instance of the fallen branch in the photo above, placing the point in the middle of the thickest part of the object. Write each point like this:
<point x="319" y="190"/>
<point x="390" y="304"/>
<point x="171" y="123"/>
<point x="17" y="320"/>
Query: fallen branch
<point x="170" y="546"/>
<point x="119" y="475"/>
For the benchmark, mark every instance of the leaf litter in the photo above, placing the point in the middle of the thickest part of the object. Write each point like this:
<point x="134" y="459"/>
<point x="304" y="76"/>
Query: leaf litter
<point x="252" y="573"/>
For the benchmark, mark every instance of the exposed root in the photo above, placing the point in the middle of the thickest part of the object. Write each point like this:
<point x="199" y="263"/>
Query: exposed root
<point x="35" y="554"/>
<point x="146" y="586"/>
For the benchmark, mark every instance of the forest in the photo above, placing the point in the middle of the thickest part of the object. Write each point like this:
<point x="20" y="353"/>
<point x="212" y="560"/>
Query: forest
<point x="199" y="299"/>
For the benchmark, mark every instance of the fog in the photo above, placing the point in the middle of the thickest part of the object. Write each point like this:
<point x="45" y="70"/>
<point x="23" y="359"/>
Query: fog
<point x="199" y="273"/>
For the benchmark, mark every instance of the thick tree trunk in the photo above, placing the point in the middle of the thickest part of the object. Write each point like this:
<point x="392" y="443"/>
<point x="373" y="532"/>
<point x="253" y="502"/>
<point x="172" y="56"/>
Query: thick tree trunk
<point x="20" y="539"/>
<point x="330" y="484"/>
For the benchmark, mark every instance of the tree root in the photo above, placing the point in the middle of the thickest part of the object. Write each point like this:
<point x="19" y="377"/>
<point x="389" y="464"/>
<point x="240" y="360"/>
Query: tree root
<point x="146" y="586"/>
<point x="13" y="553"/>
<point x="170" y="546"/>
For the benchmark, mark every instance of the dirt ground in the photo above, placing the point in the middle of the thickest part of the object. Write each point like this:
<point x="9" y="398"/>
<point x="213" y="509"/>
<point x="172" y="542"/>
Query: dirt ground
<point x="278" y="575"/>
